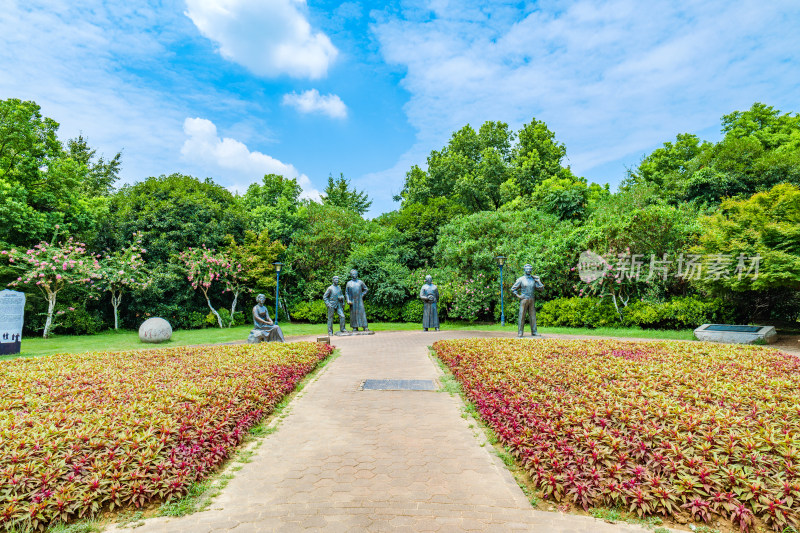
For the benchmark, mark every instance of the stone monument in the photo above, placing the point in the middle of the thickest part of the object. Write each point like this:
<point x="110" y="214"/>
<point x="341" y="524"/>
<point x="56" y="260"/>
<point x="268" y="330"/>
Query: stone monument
<point x="429" y="294"/>
<point x="735" y="334"/>
<point x="155" y="330"/>
<point x="12" y="316"/>
<point x="264" y="330"/>
<point x="354" y="291"/>
<point x="524" y="289"/>
<point x="334" y="301"/>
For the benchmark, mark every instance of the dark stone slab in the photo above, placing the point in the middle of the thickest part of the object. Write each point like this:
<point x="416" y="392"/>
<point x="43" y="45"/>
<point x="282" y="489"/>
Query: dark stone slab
<point x="398" y="384"/>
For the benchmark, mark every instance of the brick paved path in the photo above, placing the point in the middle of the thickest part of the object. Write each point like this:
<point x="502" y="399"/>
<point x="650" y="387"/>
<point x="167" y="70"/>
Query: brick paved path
<point x="351" y="460"/>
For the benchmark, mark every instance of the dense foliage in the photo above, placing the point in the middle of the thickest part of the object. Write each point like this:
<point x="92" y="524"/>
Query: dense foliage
<point x="687" y="212"/>
<point x="638" y="426"/>
<point x="89" y="432"/>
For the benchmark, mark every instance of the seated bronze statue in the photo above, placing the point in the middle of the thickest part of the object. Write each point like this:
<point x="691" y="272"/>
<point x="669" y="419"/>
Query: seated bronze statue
<point x="264" y="330"/>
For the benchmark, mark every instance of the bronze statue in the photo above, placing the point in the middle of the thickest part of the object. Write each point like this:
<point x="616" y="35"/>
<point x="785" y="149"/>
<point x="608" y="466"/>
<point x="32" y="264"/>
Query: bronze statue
<point x="524" y="289"/>
<point x="334" y="301"/>
<point x="429" y="294"/>
<point x="264" y="330"/>
<point x="355" y="291"/>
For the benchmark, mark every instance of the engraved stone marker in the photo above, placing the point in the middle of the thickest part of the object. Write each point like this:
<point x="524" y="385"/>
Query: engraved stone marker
<point x="12" y="313"/>
<point x="155" y="330"/>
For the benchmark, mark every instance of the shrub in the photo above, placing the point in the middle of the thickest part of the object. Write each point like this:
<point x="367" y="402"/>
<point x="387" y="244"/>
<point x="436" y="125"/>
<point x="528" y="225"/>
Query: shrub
<point x="511" y="309"/>
<point x="196" y="320"/>
<point x="382" y="313"/>
<point x="472" y="298"/>
<point x="240" y="318"/>
<point x="78" y="321"/>
<point x="678" y="313"/>
<point x="314" y="312"/>
<point x="224" y="315"/>
<point x="578" y="312"/>
<point x="412" y="311"/>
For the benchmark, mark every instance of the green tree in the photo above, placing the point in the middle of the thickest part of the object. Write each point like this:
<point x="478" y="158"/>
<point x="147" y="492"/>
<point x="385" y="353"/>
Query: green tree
<point x="256" y="254"/>
<point x="101" y="174"/>
<point x="381" y="262"/>
<point x="764" y="123"/>
<point x="537" y="156"/>
<point x="483" y="170"/>
<point x="172" y="214"/>
<point x="419" y="224"/>
<point x="567" y="197"/>
<point x="338" y="193"/>
<point x="469" y="245"/>
<point x="762" y="231"/>
<point x="321" y="248"/>
<point x="273" y="206"/>
<point x="41" y="185"/>
<point x="760" y="149"/>
<point x="766" y="225"/>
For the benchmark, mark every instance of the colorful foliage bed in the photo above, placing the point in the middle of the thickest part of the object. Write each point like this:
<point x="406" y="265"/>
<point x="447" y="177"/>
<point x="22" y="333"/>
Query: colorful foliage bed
<point x="688" y="430"/>
<point x="81" y="433"/>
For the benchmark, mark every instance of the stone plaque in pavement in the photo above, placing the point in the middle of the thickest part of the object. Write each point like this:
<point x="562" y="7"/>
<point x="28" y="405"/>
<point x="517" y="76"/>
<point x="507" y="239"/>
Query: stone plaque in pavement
<point x="398" y="384"/>
<point x="12" y="313"/>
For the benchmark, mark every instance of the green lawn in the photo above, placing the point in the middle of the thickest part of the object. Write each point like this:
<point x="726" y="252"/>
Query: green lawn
<point x="129" y="340"/>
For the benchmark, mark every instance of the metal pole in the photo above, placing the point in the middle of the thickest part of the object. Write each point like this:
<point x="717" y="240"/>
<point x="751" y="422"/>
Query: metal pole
<point x="502" y="307"/>
<point x="277" y="288"/>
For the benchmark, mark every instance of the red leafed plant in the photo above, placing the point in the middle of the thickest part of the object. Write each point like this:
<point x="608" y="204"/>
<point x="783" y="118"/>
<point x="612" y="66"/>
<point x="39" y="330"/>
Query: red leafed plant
<point x="660" y="428"/>
<point x="82" y="433"/>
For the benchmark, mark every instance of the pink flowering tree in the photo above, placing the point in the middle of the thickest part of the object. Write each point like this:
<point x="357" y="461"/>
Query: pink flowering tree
<point x="472" y="297"/>
<point x="123" y="270"/>
<point x="50" y="267"/>
<point x="206" y="267"/>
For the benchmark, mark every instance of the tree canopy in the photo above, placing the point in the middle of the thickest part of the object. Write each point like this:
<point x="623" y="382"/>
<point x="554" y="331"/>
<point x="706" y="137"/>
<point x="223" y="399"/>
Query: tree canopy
<point x="489" y="191"/>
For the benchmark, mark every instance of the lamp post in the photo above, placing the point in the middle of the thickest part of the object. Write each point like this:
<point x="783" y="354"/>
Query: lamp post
<point x="500" y="262"/>
<point x="277" y="287"/>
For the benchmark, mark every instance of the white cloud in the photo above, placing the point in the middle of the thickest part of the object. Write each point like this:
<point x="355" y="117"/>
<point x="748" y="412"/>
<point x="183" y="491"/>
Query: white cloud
<point x="62" y="55"/>
<point x="268" y="37"/>
<point x="612" y="79"/>
<point x="312" y="102"/>
<point x="204" y="148"/>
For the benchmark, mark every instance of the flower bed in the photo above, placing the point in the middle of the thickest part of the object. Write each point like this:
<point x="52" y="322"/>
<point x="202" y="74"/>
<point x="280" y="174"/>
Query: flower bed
<point x="81" y="433"/>
<point x="687" y="430"/>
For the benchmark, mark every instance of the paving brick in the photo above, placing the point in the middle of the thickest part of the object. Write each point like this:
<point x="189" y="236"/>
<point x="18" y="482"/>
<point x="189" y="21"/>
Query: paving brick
<point x="350" y="460"/>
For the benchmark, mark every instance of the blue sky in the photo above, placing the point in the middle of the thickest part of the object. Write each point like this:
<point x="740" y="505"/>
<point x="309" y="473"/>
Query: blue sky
<point x="233" y="89"/>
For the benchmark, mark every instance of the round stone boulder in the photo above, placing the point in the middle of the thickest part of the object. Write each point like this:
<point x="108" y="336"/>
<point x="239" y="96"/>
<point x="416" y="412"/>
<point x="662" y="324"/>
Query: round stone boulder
<point x="155" y="330"/>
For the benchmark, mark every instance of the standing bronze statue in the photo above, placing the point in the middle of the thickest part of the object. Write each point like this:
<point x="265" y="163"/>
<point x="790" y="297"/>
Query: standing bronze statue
<point x="334" y="301"/>
<point x="355" y="291"/>
<point x="429" y="294"/>
<point x="524" y="289"/>
<point x="264" y="330"/>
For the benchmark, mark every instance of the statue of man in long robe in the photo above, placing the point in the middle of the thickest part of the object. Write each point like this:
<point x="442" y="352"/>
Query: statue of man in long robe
<point x="354" y="292"/>
<point x="334" y="301"/>
<point x="524" y="289"/>
<point x="429" y="294"/>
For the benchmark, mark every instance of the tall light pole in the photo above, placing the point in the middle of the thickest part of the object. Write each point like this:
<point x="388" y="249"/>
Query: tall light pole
<point x="500" y="262"/>
<point x="277" y="287"/>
